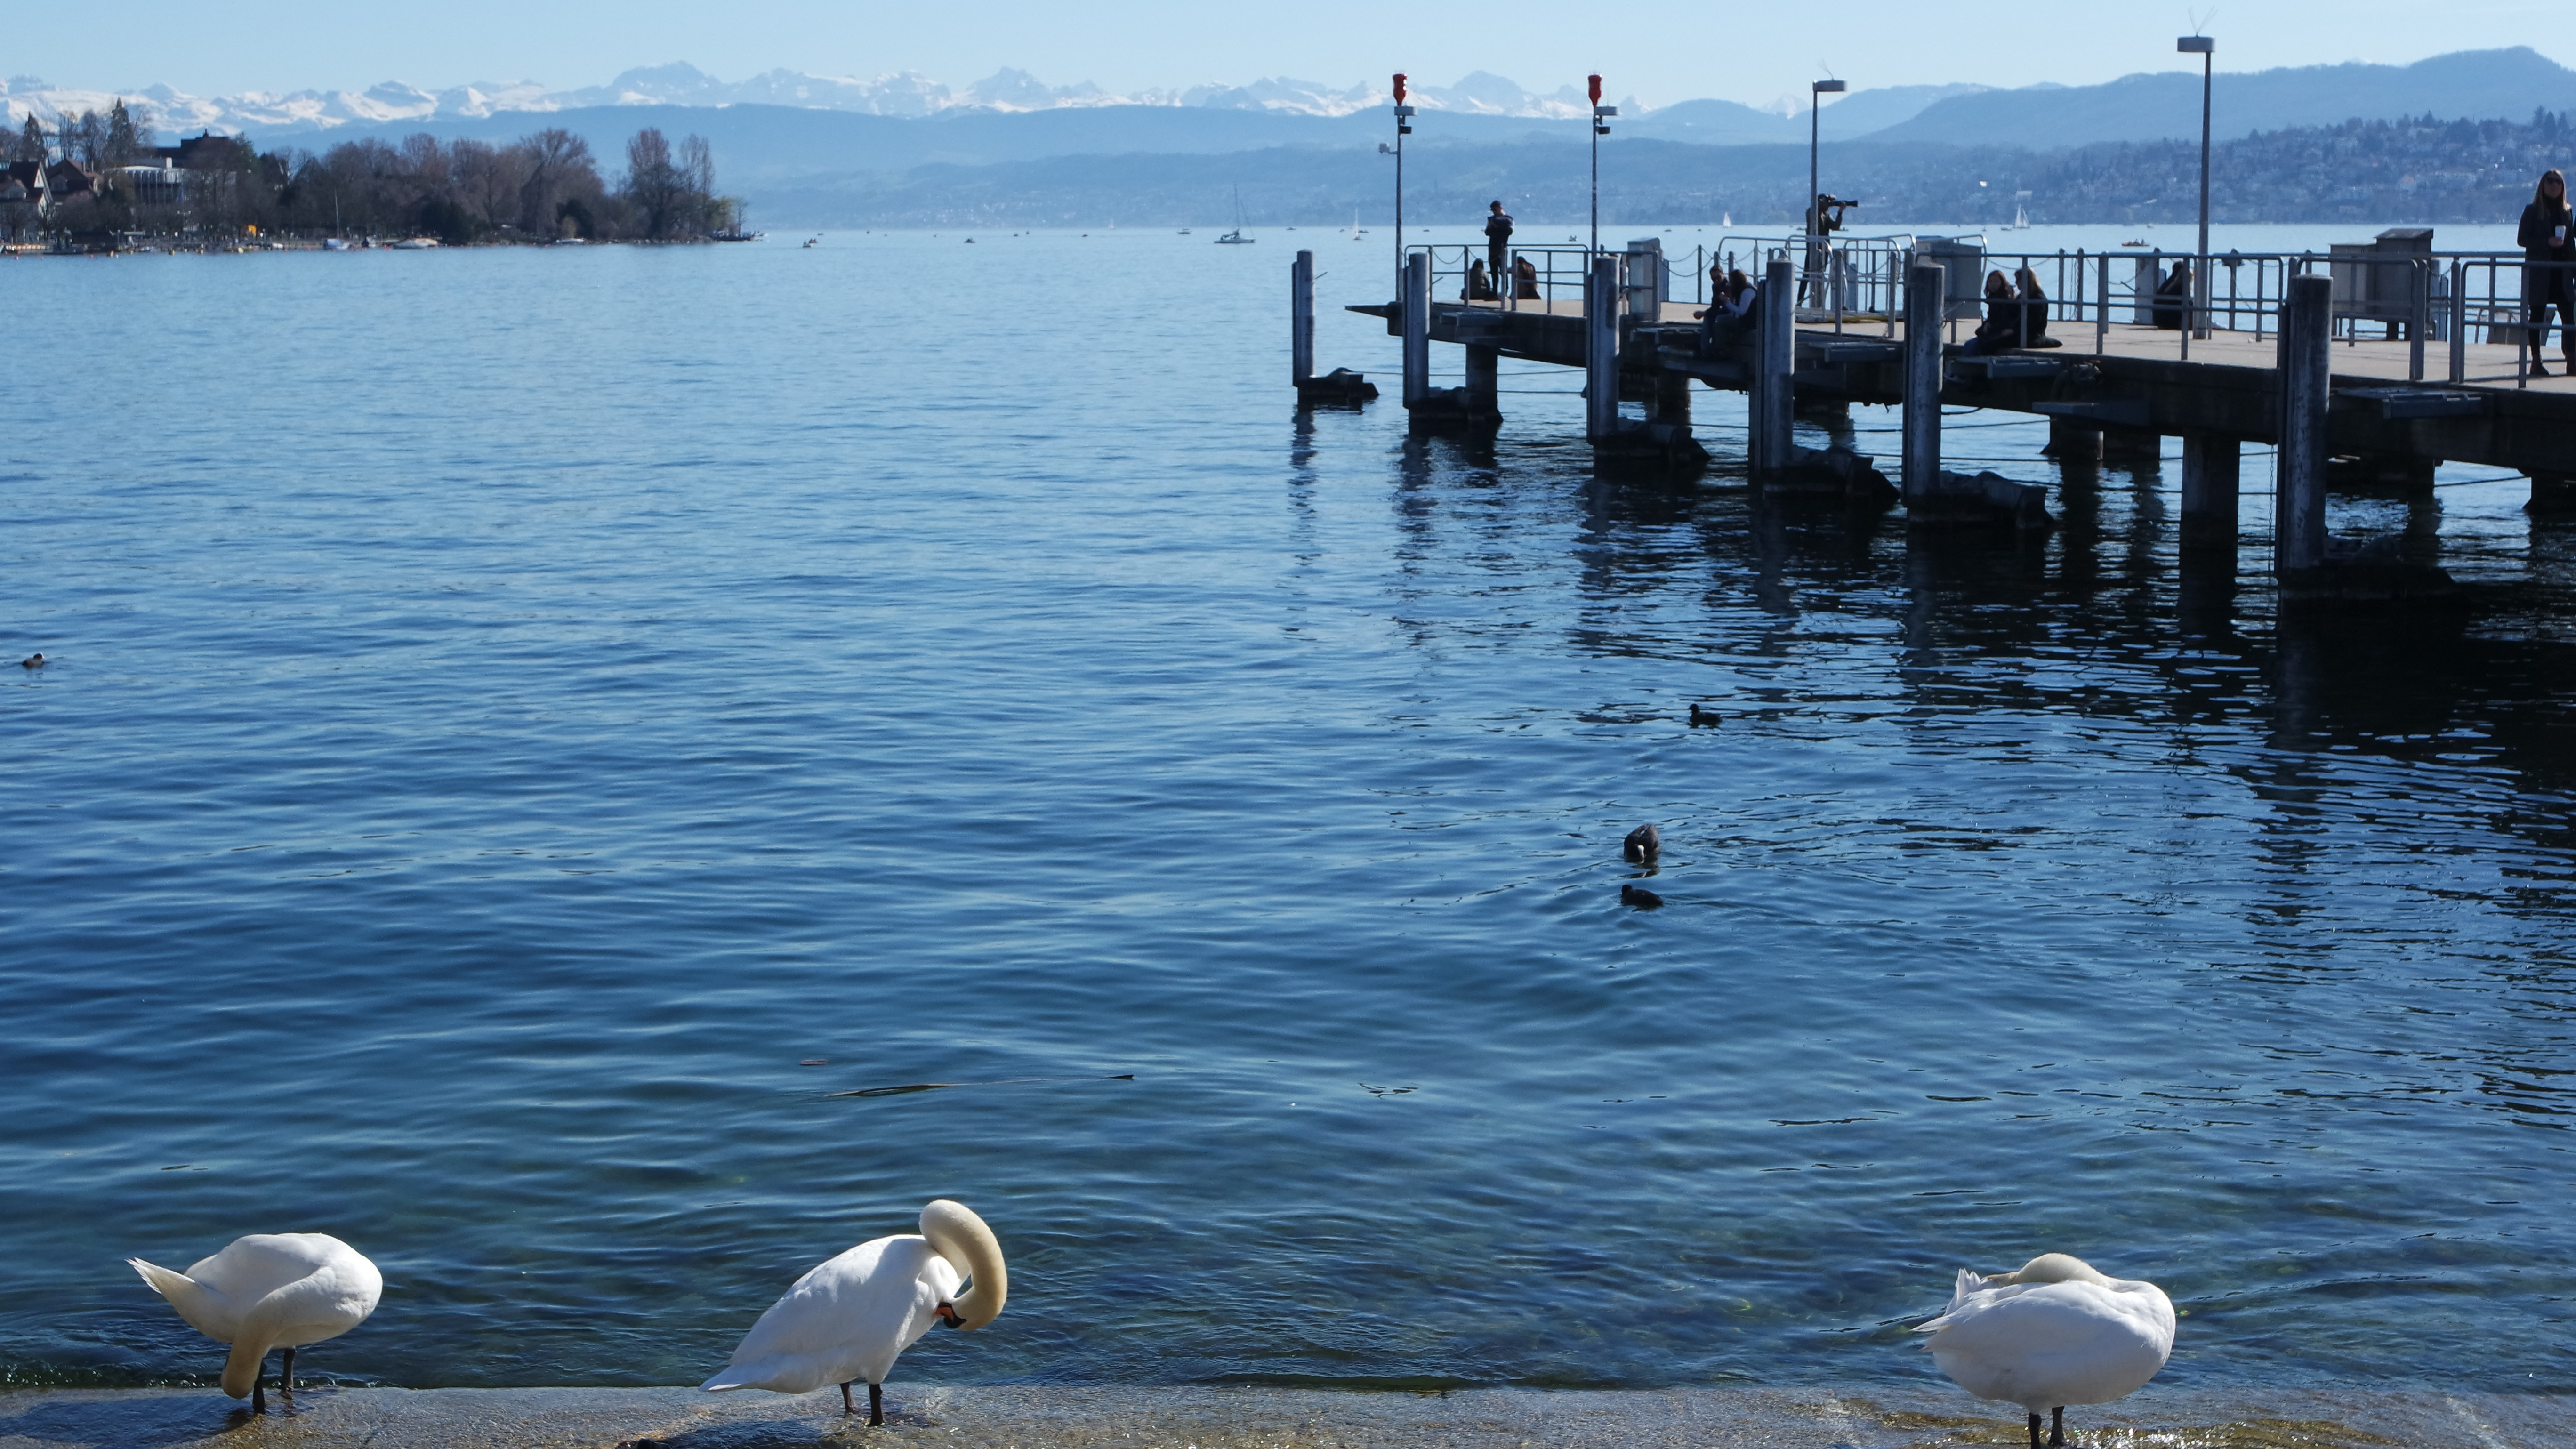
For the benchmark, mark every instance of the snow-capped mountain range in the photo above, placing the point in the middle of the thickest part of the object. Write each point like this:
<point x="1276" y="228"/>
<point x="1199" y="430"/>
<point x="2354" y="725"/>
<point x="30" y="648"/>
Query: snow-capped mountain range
<point x="902" y="93"/>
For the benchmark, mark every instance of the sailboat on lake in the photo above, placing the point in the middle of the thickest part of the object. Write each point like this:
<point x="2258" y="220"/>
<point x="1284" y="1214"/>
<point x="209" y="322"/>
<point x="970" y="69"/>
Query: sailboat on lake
<point x="1236" y="238"/>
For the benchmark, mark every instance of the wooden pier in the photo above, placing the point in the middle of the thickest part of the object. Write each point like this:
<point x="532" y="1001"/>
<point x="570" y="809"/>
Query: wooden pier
<point x="2337" y="413"/>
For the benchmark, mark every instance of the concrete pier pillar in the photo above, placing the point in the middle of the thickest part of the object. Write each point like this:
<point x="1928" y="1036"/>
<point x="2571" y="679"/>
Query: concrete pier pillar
<point x="2072" y="442"/>
<point x="1925" y="287"/>
<point x="1484" y="382"/>
<point x="1417" y="329"/>
<point x="1775" y="356"/>
<point x="1601" y="349"/>
<point x="2299" y="482"/>
<point x="2209" y="486"/>
<point x="1301" y="318"/>
<point x="1671" y="402"/>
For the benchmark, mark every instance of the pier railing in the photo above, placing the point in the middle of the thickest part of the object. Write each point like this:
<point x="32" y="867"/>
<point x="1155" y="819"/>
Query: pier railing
<point x="2423" y="299"/>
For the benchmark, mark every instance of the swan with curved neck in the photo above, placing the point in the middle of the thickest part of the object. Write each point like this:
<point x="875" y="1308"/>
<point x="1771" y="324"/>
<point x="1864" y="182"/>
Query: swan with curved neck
<point x="270" y="1290"/>
<point x="2053" y="1332"/>
<point x="849" y="1317"/>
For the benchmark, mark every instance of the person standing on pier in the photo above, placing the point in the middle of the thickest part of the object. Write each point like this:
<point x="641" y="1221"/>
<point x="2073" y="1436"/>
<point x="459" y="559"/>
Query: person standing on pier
<point x="2549" y="270"/>
<point x="1498" y="237"/>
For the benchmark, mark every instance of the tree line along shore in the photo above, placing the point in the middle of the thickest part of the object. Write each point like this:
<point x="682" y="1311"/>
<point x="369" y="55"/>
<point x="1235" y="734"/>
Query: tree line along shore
<point x="98" y="183"/>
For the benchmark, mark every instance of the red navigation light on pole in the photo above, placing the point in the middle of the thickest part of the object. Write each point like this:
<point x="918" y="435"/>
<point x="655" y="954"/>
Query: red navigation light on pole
<point x="1600" y="116"/>
<point x="1403" y="128"/>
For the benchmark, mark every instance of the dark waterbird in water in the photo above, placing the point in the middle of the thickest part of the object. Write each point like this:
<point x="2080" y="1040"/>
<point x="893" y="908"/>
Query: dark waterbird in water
<point x="1640" y="897"/>
<point x="1699" y="716"/>
<point x="1642" y="845"/>
<point x="33" y="661"/>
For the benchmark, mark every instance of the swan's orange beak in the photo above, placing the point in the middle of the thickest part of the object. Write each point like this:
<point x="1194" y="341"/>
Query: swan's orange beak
<point x="948" y="1315"/>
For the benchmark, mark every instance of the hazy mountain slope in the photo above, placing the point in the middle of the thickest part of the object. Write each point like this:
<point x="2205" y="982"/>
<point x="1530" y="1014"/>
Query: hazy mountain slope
<point x="2472" y="85"/>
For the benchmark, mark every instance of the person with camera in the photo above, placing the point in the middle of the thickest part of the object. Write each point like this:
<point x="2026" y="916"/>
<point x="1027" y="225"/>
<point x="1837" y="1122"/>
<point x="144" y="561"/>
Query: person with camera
<point x="1824" y="216"/>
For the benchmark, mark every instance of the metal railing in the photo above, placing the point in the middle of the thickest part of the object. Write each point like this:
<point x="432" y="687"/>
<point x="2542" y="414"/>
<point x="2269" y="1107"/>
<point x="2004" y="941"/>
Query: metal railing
<point x="2457" y="298"/>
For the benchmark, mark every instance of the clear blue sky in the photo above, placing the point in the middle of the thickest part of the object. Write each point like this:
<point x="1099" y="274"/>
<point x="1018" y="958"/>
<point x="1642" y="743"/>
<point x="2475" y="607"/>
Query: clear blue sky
<point x="1659" y="52"/>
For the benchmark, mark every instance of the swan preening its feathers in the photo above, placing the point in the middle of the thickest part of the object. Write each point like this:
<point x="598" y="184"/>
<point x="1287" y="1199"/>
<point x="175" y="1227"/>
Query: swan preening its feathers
<point x="849" y="1317"/>
<point x="270" y="1290"/>
<point x="2051" y="1333"/>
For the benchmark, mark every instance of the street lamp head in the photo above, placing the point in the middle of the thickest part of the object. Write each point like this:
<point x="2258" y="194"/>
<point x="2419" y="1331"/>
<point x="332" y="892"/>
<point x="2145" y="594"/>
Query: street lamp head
<point x="2195" y="45"/>
<point x="1829" y="87"/>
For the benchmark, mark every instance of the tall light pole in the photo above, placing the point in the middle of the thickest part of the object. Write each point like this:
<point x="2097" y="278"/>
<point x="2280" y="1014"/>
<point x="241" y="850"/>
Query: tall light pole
<point x="1601" y="115"/>
<point x="1403" y="128"/>
<point x="2206" y="48"/>
<point x="1816" y="92"/>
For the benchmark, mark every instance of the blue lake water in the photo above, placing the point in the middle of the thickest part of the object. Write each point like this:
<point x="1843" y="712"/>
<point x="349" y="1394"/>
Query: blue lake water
<point x="513" y="707"/>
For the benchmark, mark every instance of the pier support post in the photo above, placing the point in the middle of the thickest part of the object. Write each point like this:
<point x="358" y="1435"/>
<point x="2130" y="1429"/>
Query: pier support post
<point x="1775" y="356"/>
<point x="1671" y="402"/>
<point x="2299" y="482"/>
<point x="1484" y="382"/>
<point x="1417" y="329"/>
<point x="2072" y="442"/>
<point x="1301" y="319"/>
<point x="2209" y="487"/>
<point x="1601" y="349"/>
<point x="1925" y="289"/>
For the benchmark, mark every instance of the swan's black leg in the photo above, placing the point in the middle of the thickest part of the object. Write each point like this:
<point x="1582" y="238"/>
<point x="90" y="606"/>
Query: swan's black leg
<point x="2057" y="1427"/>
<point x="847" y="1408"/>
<point x="286" y="1378"/>
<point x="258" y="1392"/>
<point x="876" y="1406"/>
<point x="2034" y="1430"/>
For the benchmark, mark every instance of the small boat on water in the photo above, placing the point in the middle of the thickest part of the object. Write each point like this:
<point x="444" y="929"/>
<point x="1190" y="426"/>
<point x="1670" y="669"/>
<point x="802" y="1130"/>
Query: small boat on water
<point x="1236" y="238"/>
<point x="1185" y="231"/>
<point x="567" y="241"/>
<point x="335" y="244"/>
<point x="415" y="244"/>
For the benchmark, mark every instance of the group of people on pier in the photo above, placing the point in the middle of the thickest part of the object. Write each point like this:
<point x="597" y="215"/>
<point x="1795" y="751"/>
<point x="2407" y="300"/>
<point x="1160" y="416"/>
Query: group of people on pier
<point x="2016" y="309"/>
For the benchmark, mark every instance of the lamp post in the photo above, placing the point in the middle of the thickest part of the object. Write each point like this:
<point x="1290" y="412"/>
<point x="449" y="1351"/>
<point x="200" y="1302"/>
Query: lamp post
<point x="1403" y="128"/>
<point x="1601" y="114"/>
<point x="2206" y="48"/>
<point x="1816" y="91"/>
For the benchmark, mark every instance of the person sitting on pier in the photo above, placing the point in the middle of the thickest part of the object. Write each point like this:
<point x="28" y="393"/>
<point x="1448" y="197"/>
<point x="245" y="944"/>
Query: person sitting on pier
<point x="1524" y="280"/>
<point x="1732" y="318"/>
<point x="2001" y="330"/>
<point x="2173" y="298"/>
<point x="1480" y="288"/>
<point x="2548" y="242"/>
<point x="2034" y="311"/>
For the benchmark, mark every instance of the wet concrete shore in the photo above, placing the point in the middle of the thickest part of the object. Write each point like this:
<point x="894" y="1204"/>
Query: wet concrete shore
<point x="1263" y="1418"/>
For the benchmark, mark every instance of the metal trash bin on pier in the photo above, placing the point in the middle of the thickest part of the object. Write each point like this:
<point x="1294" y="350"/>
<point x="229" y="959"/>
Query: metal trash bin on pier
<point x="2377" y="280"/>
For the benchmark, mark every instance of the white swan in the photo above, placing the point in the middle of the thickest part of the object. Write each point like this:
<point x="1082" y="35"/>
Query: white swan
<point x="848" y="1318"/>
<point x="2052" y="1333"/>
<point x="270" y="1290"/>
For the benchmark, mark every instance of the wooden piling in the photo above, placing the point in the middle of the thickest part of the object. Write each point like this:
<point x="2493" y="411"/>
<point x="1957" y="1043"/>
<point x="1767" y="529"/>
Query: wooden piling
<point x="1775" y="355"/>
<point x="1301" y="319"/>
<point x="2299" y="480"/>
<point x="1417" y="329"/>
<point x="1601" y="349"/>
<point x="2209" y="487"/>
<point x="1925" y="288"/>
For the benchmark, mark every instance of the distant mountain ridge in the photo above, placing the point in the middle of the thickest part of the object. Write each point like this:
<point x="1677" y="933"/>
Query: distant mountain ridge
<point x="2467" y="85"/>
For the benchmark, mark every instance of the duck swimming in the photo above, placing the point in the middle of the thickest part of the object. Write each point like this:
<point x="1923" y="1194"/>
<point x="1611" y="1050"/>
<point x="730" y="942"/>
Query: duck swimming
<point x="2052" y="1332"/>
<point x="33" y="661"/>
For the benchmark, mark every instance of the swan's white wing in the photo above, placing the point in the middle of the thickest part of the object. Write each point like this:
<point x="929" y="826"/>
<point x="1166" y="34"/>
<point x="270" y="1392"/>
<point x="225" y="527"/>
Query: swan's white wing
<point x="844" y="1321"/>
<point x="2053" y="1343"/>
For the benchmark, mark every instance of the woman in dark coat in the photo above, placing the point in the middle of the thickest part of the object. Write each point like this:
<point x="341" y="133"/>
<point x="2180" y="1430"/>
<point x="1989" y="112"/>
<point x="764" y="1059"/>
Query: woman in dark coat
<point x="2173" y="298"/>
<point x="2548" y="242"/>
<point x="2002" y="329"/>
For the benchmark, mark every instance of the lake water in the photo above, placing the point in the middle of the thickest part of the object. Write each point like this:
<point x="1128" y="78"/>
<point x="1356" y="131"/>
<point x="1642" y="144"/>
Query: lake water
<point x="514" y="707"/>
